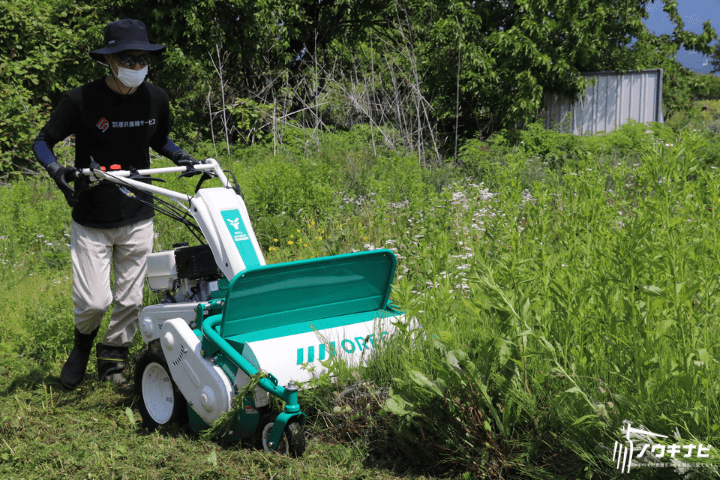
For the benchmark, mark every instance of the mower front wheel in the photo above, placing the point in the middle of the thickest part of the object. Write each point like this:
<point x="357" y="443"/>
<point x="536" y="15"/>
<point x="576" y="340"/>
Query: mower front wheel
<point x="161" y="402"/>
<point x="292" y="442"/>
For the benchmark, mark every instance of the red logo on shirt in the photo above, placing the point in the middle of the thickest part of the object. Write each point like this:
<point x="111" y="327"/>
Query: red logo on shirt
<point x="103" y="124"/>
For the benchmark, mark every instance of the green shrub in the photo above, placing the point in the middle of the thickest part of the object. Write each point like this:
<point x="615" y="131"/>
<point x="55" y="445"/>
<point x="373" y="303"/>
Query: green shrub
<point x="42" y="55"/>
<point x="708" y="87"/>
<point x="552" y="147"/>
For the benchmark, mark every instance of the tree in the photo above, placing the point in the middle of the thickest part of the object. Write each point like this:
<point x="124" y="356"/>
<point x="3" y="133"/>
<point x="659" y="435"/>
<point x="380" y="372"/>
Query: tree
<point x="715" y="59"/>
<point x="41" y="50"/>
<point x="471" y="67"/>
<point x="268" y="42"/>
<point x="509" y="54"/>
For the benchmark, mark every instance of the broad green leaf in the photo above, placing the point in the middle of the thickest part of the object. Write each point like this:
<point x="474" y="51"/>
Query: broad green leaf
<point x="651" y="290"/>
<point x="398" y="406"/>
<point x="704" y="356"/>
<point x="504" y="349"/>
<point x="425" y="383"/>
<point x="130" y="415"/>
<point x="664" y="326"/>
<point x="454" y="358"/>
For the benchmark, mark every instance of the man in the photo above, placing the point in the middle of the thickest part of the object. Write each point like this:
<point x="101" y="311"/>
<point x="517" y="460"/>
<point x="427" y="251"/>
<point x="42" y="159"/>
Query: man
<point x="115" y="120"/>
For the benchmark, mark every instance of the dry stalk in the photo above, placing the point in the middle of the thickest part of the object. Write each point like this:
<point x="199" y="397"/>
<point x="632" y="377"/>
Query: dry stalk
<point x="219" y="70"/>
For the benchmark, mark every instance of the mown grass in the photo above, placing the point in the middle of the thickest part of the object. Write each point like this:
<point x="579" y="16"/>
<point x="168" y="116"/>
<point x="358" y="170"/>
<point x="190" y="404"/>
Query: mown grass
<point x="563" y="285"/>
<point x="95" y="433"/>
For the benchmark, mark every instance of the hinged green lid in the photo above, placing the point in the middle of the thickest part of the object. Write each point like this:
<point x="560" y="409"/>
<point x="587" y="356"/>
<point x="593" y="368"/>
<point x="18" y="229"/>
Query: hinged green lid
<point x="271" y="296"/>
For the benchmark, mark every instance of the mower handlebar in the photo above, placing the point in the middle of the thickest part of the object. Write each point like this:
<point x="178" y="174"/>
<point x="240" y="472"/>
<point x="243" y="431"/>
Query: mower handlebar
<point x="207" y="164"/>
<point x="129" y="178"/>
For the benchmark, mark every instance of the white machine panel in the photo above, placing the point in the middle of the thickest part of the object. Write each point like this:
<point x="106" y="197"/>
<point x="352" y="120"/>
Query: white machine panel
<point x="292" y="357"/>
<point x="203" y="384"/>
<point x="161" y="270"/>
<point x="224" y="219"/>
<point x="152" y="317"/>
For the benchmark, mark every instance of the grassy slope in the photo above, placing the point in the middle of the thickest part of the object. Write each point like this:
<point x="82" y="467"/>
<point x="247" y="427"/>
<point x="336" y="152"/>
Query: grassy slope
<point x="579" y="295"/>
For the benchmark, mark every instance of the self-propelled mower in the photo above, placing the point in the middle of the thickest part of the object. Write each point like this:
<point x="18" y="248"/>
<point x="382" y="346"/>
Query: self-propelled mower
<point x="231" y="326"/>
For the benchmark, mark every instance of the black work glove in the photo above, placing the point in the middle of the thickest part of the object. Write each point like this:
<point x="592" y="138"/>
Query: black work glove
<point x="184" y="159"/>
<point x="63" y="175"/>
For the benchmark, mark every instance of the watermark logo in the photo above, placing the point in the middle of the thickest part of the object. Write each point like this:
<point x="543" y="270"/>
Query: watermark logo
<point x="624" y="454"/>
<point x="656" y="454"/>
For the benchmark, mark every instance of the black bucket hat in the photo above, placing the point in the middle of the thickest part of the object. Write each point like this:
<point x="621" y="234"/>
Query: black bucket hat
<point x="124" y="35"/>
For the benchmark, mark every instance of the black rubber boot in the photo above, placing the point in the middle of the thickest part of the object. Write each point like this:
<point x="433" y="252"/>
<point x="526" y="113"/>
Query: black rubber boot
<point x="111" y="363"/>
<point x="73" y="372"/>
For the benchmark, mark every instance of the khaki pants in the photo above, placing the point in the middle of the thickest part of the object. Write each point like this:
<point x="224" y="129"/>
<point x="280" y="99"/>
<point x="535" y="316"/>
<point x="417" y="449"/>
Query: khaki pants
<point x="93" y="250"/>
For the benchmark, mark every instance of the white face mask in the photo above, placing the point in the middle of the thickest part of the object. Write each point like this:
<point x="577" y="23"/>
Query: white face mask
<point x="130" y="77"/>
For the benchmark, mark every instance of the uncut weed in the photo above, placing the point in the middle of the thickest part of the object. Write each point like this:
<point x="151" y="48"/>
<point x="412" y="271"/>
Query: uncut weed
<point x="599" y="288"/>
<point x="591" y="295"/>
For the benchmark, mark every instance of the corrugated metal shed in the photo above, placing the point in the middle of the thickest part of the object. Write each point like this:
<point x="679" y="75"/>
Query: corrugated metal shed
<point x="609" y="102"/>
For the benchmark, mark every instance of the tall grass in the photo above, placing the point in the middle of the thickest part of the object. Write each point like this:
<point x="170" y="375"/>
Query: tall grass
<point x="590" y="296"/>
<point x="560" y="291"/>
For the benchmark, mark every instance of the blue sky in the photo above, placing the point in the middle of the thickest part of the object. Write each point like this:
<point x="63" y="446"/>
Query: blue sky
<point x="694" y="13"/>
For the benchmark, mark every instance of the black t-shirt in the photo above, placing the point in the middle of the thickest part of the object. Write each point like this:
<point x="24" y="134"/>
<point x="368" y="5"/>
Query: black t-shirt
<point x="113" y="129"/>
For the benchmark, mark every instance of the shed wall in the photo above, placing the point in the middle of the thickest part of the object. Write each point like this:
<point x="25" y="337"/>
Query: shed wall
<point x="611" y="101"/>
